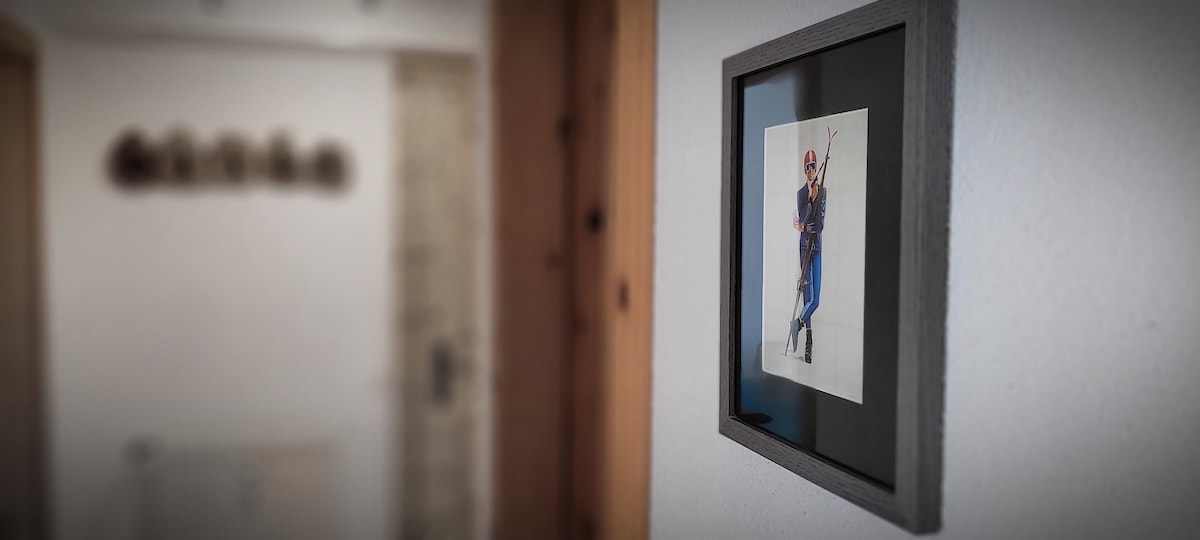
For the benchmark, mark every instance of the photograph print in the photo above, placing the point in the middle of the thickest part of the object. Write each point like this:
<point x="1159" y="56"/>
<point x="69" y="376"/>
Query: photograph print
<point x="814" y="252"/>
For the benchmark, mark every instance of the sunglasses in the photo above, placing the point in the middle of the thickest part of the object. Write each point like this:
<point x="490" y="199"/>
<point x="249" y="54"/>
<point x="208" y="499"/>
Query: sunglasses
<point x="810" y="166"/>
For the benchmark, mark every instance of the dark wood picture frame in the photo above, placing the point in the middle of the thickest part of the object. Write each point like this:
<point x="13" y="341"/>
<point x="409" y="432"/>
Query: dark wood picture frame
<point x="914" y="502"/>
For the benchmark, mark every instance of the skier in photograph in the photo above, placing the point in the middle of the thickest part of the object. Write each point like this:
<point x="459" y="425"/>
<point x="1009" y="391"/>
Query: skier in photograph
<point x="810" y="221"/>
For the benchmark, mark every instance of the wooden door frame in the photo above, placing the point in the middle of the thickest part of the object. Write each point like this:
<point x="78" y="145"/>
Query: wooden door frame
<point x="573" y="166"/>
<point x="19" y="42"/>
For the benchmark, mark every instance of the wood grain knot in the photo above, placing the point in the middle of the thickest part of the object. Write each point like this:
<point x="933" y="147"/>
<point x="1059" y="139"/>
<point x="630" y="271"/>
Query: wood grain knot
<point x="594" y="220"/>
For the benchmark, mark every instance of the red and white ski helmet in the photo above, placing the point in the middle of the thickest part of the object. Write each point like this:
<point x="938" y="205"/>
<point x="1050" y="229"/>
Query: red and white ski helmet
<point x="810" y="157"/>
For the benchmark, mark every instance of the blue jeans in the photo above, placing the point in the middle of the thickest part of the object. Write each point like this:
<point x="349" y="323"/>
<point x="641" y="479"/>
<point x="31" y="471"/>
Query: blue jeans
<point x="812" y="290"/>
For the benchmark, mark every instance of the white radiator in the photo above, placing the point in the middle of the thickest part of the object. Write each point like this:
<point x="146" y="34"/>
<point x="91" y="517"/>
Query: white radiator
<point x="281" y="491"/>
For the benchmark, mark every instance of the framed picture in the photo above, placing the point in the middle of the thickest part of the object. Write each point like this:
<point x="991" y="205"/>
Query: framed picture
<point x="835" y="210"/>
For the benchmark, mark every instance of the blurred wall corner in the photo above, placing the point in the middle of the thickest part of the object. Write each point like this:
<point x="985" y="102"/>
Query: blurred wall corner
<point x="22" y="450"/>
<point x="28" y="15"/>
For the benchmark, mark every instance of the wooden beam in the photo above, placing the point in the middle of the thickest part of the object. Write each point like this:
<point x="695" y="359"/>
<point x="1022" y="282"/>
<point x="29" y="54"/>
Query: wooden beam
<point x="591" y="86"/>
<point x="574" y="265"/>
<point x="629" y="280"/>
<point x="532" y="317"/>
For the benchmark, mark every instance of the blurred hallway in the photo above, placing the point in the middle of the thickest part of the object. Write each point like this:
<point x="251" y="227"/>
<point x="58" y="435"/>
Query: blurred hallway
<point x="353" y="269"/>
<point x="227" y="215"/>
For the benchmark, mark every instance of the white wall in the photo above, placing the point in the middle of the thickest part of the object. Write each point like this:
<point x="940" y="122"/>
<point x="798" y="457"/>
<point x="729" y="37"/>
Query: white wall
<point x="1073" y="357"/>
<point x="215" y="317"/>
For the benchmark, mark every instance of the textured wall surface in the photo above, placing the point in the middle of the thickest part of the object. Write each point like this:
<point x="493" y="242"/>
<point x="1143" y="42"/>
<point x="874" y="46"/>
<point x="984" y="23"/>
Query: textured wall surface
<point x="1073" y="360"/>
